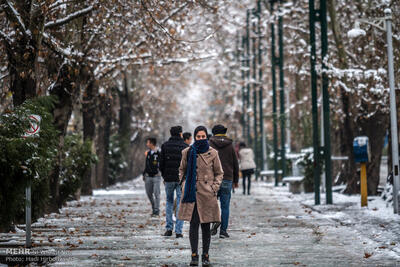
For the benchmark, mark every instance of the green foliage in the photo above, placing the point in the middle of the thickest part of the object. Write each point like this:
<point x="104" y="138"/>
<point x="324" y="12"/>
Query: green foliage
<point x="77" y="158"/>
<point x="117" y="162"/>
<point x="25" y="158"/>
<point x="307" y="162"/>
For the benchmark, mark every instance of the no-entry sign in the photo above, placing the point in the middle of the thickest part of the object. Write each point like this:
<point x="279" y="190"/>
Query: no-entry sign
<point x="34" y="126"/>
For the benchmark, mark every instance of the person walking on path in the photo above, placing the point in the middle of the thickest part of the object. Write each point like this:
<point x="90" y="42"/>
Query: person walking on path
<point x="170" y="160"/>
<point x="247" y="165"/>
<point x="201" y="175"/>
<point x="187" y="138"/>
<point x="151" y="175"/>
<point x="230" y="165"/>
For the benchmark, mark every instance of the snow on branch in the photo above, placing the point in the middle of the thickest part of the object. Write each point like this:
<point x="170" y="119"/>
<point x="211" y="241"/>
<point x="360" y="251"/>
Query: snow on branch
<point x="68" y="18"/>
<point x="118" y="59"/>
<point x="48" y="40"/>
<point x="58" y="3"/>
<point x="18" y="18"/>
<point x="5" y="37"/>
<point x="166" y="32"/>
<point x="173" y="13"/>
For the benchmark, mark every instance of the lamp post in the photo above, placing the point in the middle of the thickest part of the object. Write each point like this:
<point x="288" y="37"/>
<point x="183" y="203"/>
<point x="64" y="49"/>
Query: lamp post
<point x="255" y="85"/>
<point x="319" y="15"/>
<point x="260" y="92"/>
<point x="282" y="94"/>
<point x="380" y="23"/>
<point x="243" y="65"/>
<point x="249" y="139"/>
<point x="274" y="106"/>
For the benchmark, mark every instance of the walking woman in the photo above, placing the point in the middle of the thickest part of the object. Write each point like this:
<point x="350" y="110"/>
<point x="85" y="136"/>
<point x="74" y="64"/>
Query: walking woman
<point x="201" y="176"/>
<point x="247" y="165"/>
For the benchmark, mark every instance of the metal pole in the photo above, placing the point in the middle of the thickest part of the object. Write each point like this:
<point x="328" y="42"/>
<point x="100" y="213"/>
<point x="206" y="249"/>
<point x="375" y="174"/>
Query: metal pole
<point x="322" y="145"/>
<point x="255" y="141"/>
<point x="282" y="95"/>
<point x="260" y="92"/>
<point x="393" y="115"/>
<point x="249" y="141"/>
<point x="242" y="60"/>
<point x="288" y="131"/>
<point x="325" y="100"/>
<point x="314" y="104"/>
<point x="274" y="116"/>
<point x="28" y="241"/>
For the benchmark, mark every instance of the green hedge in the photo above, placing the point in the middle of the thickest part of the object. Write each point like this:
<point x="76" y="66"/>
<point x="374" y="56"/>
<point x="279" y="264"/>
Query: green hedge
<point x="307" y="162"/>
<point x="117" y="162"/>
<point x="33" y="158"/>
<point x="77" y="158"/>
<point x="23" y="158"/>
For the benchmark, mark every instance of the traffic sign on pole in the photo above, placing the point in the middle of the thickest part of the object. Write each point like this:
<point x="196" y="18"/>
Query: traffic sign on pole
<point x="32" y="131"/>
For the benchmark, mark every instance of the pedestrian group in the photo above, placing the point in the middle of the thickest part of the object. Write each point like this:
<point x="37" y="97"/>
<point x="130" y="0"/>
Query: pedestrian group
<point x="199" y="173"/>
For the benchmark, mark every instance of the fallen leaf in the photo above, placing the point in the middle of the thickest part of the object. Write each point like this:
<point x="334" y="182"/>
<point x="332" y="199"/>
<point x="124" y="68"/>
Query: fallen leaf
<point x="367" y="255"/>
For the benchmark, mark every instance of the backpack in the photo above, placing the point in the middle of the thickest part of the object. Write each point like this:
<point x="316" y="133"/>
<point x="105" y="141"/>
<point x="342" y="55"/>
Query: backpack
<point x="152" y="163"/>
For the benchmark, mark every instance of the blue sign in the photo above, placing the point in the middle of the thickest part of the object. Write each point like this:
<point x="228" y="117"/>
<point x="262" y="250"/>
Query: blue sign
<point x="361" y="149"/>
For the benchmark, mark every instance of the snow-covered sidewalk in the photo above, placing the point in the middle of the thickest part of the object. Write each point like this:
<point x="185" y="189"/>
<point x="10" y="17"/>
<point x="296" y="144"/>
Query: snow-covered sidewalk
<point x="271" y="227"/>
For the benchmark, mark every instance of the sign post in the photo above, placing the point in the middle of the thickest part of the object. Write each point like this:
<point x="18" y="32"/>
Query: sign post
<point x="33" y="131"/>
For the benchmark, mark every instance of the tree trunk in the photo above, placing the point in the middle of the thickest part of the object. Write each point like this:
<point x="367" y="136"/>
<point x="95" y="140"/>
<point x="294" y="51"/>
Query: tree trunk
<point x="66" y="92"/>
<point x="102" y="141"/>
<point x="346" y="129"/>
<point x="89" y="130"/>
<point x="125" y="125"/>
<point x="23" y="52"/>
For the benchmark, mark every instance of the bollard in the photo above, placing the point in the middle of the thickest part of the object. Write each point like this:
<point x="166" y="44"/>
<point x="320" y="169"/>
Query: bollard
<point x="364" y="188"/>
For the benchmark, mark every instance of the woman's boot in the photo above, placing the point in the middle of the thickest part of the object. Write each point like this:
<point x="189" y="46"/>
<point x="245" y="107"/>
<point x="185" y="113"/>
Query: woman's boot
<point x="195" y="259"/>
<point x="205" y="259"/>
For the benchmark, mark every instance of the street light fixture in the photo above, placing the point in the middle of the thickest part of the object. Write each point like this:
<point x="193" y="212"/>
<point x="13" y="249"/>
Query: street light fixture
<point x="380" y="23"/>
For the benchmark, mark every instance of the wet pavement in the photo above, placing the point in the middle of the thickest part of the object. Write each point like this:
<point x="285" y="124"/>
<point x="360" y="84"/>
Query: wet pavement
<point x="268" y="228"/>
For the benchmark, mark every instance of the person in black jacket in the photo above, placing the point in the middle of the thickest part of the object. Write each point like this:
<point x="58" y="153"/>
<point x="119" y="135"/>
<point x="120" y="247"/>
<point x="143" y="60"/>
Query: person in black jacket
<point x="230" y="165"/>
<point x="170" y="160"/>
<point x="151" y="175"/>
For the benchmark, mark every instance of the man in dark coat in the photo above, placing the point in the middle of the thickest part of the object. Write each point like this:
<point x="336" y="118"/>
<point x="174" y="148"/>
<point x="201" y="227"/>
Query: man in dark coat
<point x="170" y="160"/>
<point x="230" y="166"/>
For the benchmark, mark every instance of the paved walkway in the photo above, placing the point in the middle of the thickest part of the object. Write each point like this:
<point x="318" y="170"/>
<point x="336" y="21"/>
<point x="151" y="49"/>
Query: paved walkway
<point x="268" y="228"/>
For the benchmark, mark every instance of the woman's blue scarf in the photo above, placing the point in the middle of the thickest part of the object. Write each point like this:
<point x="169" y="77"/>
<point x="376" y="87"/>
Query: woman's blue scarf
<point x="199" y="146"/>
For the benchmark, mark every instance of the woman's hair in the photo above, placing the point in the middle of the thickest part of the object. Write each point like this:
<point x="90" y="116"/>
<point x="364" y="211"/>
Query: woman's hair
<point x="242" y="144"/>
<point x="198" y="129"/>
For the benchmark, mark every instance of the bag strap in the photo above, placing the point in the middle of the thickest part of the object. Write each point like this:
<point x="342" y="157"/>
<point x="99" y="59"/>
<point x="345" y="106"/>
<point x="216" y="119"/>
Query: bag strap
<point x="184" y="175"/>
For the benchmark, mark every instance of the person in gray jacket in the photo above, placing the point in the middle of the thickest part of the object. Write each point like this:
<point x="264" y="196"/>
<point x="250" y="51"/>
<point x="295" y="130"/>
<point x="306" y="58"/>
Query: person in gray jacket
<point x="247" y="165"/>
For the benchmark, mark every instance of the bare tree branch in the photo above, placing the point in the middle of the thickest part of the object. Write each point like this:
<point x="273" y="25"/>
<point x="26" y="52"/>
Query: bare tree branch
<point x="176" y="11"/>
<point x="68" y="18"/>
<point x="5" y="37"/>
<point x="167" y="32"/>
<point x="17" y="18"/>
